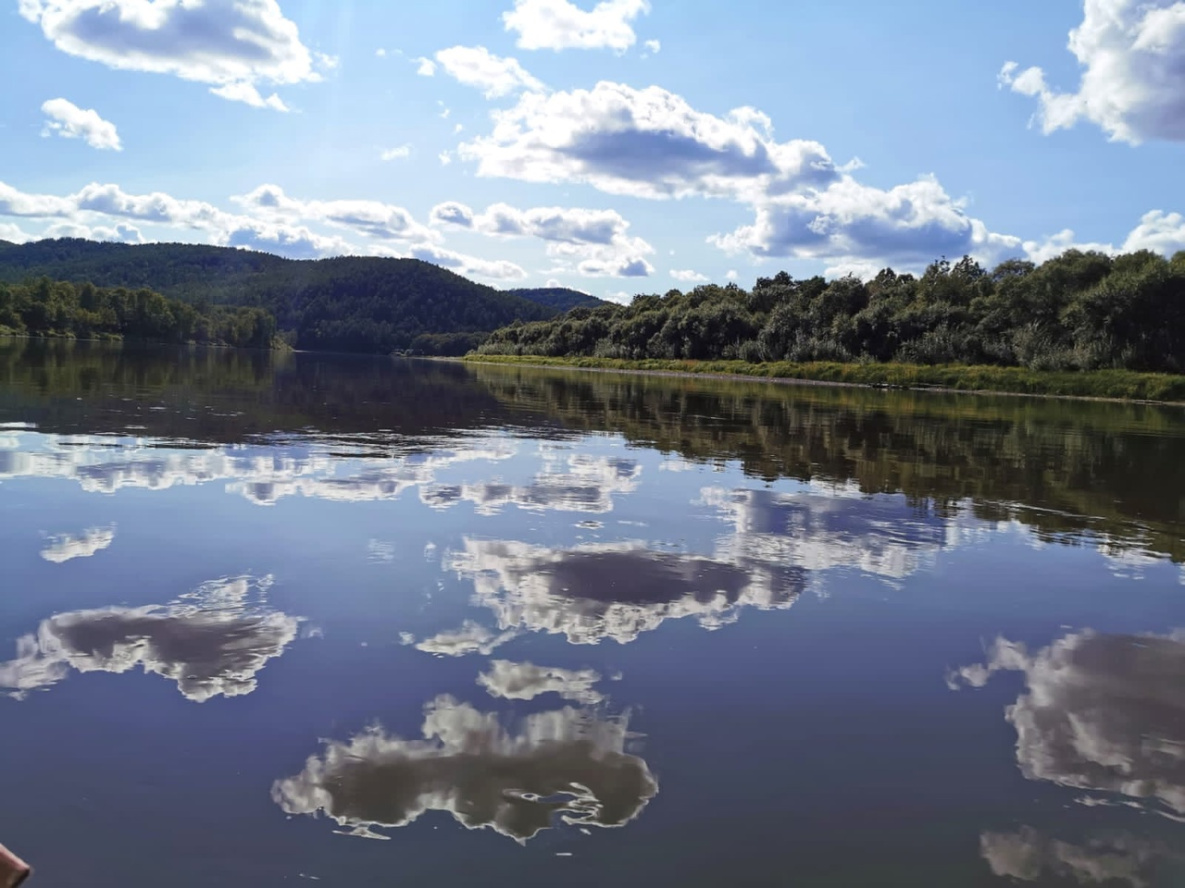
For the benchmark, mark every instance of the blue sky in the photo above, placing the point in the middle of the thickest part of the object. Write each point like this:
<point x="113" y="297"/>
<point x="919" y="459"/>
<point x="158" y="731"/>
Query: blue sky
<point x="618" y="147"/>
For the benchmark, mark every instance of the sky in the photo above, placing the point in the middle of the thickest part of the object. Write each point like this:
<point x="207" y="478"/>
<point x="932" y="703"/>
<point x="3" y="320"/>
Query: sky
<point x="616" y="147"/>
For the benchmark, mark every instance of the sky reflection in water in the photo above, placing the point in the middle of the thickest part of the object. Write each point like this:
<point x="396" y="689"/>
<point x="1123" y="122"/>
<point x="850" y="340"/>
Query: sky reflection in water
<point x="521" y="613"/>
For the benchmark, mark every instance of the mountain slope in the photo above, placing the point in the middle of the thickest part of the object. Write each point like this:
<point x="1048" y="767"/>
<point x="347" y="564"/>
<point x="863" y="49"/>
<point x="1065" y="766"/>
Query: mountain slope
<point x="559" y="298"/>
<point x="362" y="304"/>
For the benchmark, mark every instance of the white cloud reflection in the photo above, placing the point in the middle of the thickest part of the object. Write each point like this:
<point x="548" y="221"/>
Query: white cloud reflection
<point x="526" y="681"/>
<point x="563" y="767"/>
<point x="613" y="591"/>
<point x="211" y="642"/>
<point x="584" y="484"/>
<point x="1029" y="856"/>
<point x="64" y="547"/>
<point x="1101" y="713"/>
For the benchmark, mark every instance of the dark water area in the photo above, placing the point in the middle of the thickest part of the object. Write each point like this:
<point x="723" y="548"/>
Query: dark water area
<point x="286" y="619"/>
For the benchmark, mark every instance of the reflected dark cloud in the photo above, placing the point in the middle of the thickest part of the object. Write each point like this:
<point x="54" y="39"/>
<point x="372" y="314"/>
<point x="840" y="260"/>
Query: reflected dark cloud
<point x="1029" y="856"/>
<point x="526" y="681"/>
<point x="584" y="484"/>
<point x="211" y="642"/>
<point x="563" y="767"/>
<point x="64" y="547"/>
<point x="882" y="535"/>
<point x="614" y="591"/>
<point x="1102" y="713"/>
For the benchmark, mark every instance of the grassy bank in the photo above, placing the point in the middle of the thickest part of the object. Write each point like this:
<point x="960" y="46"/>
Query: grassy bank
<point x="1119" y="384"/>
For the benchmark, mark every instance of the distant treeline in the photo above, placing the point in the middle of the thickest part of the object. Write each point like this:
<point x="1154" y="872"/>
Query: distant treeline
<point x="48" y="308"/>
<point x="348" y="303"/>
<point x="1080" y="311"/>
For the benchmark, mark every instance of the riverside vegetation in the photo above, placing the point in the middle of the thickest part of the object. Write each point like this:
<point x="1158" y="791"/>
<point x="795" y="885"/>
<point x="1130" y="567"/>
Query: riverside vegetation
<point x="1019" y="327"/>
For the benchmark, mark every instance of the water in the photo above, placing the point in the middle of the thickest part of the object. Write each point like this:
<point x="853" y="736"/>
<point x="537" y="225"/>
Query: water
<point x="276" y="619"/>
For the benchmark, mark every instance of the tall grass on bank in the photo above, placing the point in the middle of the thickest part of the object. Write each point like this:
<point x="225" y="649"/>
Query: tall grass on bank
<point x="1119" y="384"/>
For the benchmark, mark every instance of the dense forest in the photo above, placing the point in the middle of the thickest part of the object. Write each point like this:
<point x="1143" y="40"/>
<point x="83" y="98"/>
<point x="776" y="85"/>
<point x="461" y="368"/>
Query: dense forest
<point x="345" y="304"/>
<point x="1079" y="311"/>
<point x="47" y="308"/>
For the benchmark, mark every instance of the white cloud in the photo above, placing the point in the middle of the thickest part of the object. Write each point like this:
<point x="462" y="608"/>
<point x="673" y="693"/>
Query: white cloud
<point x="210" y="642"/>
<point x="858" y="226"/>
<point x="369" y="217"/>
<point x="231" y="45"/>
<point x="644" y="143"/>
<point x="526" y="681"/>
<point x="400" y="153"/>
<point x="425" y="67"/>
<point x="688" y="276"/>
<point x="71" y="122"/>
<point x="495" y="76"/>
<point x="445" y="157"/>
<point x="597" y="240"/>
<point x="563" y="768"/>
<point x="121" y="233"/>
<point x="66" y="547"/>
<point x="1102" y="713"/>
<point x="1132" y="53"/>
<point x="731" y="274"/>
<point x="654" y="47"/>
<point x="248" y="94"/>
<point x="495" y="269"/>
<point x="1158" y="231"/>
<point x="559" y="24"/>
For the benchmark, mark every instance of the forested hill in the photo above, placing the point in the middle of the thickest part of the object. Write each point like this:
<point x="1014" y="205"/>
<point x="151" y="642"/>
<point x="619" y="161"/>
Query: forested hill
<point x="363" y="304"/>
<point x="559" y="298"/>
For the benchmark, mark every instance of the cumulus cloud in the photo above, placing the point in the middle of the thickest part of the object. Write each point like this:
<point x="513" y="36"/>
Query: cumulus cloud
<point x="653" y="46"/>
<point x="644" y="143"/>
<point x="563" y="767"/>
<point x="66" y="547"/>
<point x="1132" y="53"/>
<point x="234" y="46"/>
<point x="69" y="121"/>
<point x="614" y="591"/>
<point x="1029" y="856"/>
<point x="585" y="484"/>
<point x="471" y="638"/>
<point x="494" y="75"/>
<point x="1158" y="231"/>
<point x="688" y="276"/>
<point x="1102" y="713"/>
<point x="372" y="218"/>
<point x="470" y="266"/>
<point x="560" y="24"/>
<point x="849" y="224"/>
<point x="526" y="681"/>
<point x="211" y="642"/>
<point x="402" y="152"/>
<point x="597" y="241"/>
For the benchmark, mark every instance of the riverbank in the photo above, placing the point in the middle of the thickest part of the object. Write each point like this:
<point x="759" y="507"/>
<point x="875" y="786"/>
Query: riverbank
<point x="1115" y="385"/>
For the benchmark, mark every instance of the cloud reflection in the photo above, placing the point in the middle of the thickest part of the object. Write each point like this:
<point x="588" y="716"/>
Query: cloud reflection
<point x="1029" y="856"/>
<point x="1102" y="713"/>
<point x="881" y="535"/>
<point x="585" y="484"/>
<point x="64" y="547"/>
<point x="614" y="591"/>
<point x="563" y="767"/>
<point x="211" y="642"/>
<point x="526" y="681"/>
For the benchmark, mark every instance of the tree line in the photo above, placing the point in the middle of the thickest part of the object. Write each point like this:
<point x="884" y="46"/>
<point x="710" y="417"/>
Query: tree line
<point x="350" y="303"/>
<point x="1079" y="311"/>
<point x="60" y="308"/>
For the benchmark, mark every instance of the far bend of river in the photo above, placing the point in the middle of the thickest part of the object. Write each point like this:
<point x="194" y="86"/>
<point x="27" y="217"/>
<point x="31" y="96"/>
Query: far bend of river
<point x="269" y="620"/>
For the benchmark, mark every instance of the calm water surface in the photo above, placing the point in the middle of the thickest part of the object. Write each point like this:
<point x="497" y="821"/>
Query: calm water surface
<point x="269" y="620"/>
